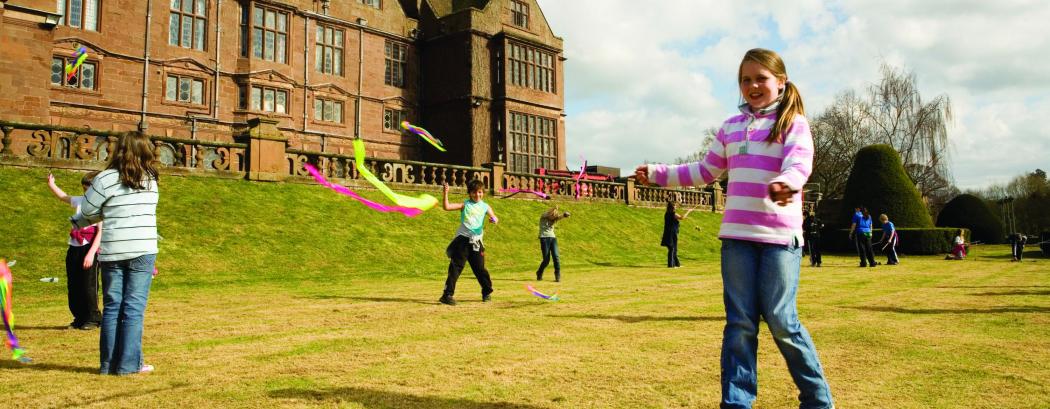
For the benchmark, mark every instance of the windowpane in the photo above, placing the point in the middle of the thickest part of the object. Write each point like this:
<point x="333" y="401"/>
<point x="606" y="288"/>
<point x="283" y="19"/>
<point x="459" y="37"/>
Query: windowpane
<point x="338" y="38"/>
<point x="91" y="15"/>
<point x="268" y="48"/>
<point x="61" y="10"/>
<point x="281" y="39"/>
<point x="328" y="111"/>
<point x="327" y="59"/>
<point x="200" y="7"/>
<point x="187" y="6"/>
<point x="198" y="40"/>
<point x="282" y="22"/>
<point x="87" y="71"/>
<point x="173" y="29"/>
<point x="257" y="18"/>
<point x="187" y="30"/>
<point x="169" y="90"/>
<point x="176" y="4"/>
<point x="281" y="99"/>
<point x="257" y="48"/>
<point x="256" y="98"/>
<point x="338" y="62"/>
<point x="337" y="116"/>
<point x="268" y="100"/>
<point x="184" y="89"/>
<point x="328" y="36"/>
<point x="318" y="109"/>
<point x="271" y="19"/>
<point x="75" y="13"/>
<point x="319" y="58"/>
<point x="197" y="94"/>
<point x="57" y="70"/>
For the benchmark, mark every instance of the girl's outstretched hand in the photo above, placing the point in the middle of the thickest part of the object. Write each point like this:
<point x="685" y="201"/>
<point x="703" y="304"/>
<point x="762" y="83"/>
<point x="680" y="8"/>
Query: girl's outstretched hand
<point x="641" y="174"/>
<point x="780" y="193"/>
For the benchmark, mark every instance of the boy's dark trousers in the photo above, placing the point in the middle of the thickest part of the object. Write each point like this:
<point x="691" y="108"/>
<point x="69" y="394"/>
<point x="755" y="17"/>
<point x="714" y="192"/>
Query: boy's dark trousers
<point x="672" y="252"/>
<point x="549" y="248"/>
<point x="1018" y="250"/>
<point x="82" y="287"/>
<point x="461" y="252"/>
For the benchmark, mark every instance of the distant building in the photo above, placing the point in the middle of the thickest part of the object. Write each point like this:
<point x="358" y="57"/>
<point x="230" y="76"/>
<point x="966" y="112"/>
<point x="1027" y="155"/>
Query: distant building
<point x="484" y="76"/>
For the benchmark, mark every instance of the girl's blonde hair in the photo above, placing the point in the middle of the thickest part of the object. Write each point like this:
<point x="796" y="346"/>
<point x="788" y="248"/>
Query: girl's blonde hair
<point x="791" y="100"/>
<point x="134" y="160"/>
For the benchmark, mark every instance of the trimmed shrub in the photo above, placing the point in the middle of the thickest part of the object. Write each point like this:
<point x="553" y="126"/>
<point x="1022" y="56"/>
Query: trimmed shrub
<point x="911" y="241"/>
<point x="878" y="181"/>
<point x="971" y="212"/>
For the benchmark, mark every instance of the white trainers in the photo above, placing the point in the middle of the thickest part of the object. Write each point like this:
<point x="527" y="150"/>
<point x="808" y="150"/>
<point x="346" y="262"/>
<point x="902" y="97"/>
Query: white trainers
<point x="146" y="369"/>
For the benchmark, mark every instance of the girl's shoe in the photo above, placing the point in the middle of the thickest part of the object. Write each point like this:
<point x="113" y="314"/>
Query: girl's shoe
<point x="146" y="369"/>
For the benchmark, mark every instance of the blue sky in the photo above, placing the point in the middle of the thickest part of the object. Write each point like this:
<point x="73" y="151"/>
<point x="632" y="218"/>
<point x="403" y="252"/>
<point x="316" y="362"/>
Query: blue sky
<point x="642" y="83"/>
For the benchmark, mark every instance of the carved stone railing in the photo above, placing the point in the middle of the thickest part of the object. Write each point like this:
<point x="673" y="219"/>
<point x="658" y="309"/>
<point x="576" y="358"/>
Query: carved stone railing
<point x="393" y="171"/>
<point x="687" y="198"/>
<point x="83" y="148"/>
<point x="565" y="187"/>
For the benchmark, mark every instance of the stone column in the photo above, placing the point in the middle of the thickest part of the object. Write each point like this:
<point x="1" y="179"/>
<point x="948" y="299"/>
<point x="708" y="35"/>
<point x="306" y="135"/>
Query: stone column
<point x="6" y="141"/>
<point x="628" y="193"/>
<point x="266" y="150"/>
<point x="717" y="203"/>
<point x="496" y="181"/>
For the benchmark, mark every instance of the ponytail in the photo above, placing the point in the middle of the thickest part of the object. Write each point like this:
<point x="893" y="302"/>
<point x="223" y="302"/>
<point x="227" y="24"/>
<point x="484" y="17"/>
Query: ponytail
<point x="790" y="105"/>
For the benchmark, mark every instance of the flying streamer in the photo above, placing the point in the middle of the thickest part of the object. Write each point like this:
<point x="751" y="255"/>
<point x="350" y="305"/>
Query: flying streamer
<point x="422" y="202"/>
<point x="407" y="211"/>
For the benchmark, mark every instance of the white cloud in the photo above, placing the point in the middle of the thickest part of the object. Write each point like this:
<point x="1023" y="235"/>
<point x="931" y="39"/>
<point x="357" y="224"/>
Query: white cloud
<point x="643" y="81"/>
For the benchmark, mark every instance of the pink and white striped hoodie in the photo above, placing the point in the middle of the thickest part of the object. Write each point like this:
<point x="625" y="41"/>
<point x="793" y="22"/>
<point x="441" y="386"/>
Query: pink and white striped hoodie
<point x="753" y="164"/>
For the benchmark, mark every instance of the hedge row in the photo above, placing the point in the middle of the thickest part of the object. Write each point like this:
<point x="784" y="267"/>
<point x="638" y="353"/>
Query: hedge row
<point x="911" y="241"/>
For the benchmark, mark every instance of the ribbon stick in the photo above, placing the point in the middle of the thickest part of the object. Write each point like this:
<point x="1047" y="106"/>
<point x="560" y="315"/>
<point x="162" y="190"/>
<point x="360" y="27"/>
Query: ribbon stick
<point x="553" y="297"/>
<point x="423" y="202"/>
<point x="71" y="70"/>
<point x="8" y="316"/>
<point x="516" y="191"/>
<point x="583" y="170"/>
<point x="407" y="211"/>
<point x="424" y="134"/>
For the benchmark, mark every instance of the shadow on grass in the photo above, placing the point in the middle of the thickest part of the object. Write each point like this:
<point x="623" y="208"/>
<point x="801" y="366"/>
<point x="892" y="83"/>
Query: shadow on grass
<point x="388" y="299"/>
<point x="130" y="394"/>
<point x="637" y="318"/>
<point x="993" y="310"/>
<point x="375" y="399"/>
<point x="611" y="264"/>
<point x="511" y="279"/>
<point x="993" y="286"/>
<point x="1015" y="292"/>
<point x="35" y="366"/>
<point x="43" y="327"/>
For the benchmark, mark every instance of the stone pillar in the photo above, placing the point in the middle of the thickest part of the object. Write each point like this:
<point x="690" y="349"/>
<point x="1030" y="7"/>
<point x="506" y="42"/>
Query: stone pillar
<point x="628" y="193"/>
<point x="717" y="203"/>
<point x="6" y="140"/>
<point x="266" y="150"/>
<point x="496" y="181"/>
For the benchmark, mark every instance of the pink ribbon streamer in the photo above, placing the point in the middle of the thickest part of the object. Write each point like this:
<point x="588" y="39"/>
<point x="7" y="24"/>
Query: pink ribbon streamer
<point x="407" y="211"/>
<point x="516" y="191"/>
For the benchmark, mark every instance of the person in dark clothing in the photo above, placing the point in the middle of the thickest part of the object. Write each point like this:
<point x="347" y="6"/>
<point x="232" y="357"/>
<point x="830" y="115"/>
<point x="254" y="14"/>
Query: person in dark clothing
<point x="860" y="234"/>
<point x="670" y="237"/>
<point x="811" y="227"/>
<point x="1017" y="242"/>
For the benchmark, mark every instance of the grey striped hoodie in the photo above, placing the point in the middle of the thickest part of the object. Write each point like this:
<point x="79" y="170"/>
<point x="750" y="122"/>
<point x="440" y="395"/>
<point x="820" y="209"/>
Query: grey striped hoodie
<point x="130" y="215"/>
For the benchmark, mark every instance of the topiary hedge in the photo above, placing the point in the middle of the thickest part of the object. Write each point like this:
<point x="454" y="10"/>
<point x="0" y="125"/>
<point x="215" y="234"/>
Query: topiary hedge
<point x="878" y="181"/>
<point x="973" y="213"/>
<point x="911" y="241"/>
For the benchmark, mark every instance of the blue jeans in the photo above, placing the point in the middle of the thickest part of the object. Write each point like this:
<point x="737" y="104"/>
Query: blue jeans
<point x="762" y="280"/>
<point x="549" y="248"/>
<point x="125" y="290"/>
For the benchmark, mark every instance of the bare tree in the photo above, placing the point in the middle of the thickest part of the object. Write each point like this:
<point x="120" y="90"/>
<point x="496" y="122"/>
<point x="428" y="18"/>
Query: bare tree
<point x="709" y="137"/>
<point x="838" y="133"/>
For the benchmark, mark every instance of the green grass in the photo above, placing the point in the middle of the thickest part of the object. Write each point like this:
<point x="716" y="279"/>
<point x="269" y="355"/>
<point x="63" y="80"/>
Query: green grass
<point x="286" y="295"/>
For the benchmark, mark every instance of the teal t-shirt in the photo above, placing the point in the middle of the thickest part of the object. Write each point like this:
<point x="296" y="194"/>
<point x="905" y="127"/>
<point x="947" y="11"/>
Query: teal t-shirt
<point x="472" y="218"/>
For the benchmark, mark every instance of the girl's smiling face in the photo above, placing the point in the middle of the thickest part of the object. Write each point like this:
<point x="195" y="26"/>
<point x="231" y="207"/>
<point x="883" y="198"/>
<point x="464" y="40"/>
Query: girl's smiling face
<point x="758" y="85"/>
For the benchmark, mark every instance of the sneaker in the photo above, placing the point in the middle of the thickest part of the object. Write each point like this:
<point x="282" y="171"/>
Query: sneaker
<point x="87" y="326"/>
<point x="486" y="298"/>
<point x="447" y="300"/>
<point x="146" y="369"/>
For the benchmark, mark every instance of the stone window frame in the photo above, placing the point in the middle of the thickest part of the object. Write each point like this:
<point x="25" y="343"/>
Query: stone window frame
<point x="532" y="142"/>
<point x="376" y="4"/>
<point x="390" y="123"/>
<point x="531" y="67"/>
<point x="179" y="78"/>
<point x="247" y="98"/>
<point x="335" y="103"/>
<point x="396" y="64"/>
<point x="334" y="39"/>
<point x="519" y="14"/>
<point x="197" y="18"/>
<point x="260" y="26"/>
<point x="79" y="86"/>
<point x="63" y="5"/>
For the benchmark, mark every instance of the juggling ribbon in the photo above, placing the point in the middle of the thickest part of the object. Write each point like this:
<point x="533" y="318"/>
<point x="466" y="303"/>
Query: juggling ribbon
<point x="72" y="69"/>
<point x="516" y="191"/>
<point x="553" y="297"/>
<point x="407" y="211"/>
<point x="423" y="202"/>
<point x="583" y="170"/>
<point x="17" y="353"/>
<point x="424" y="134"/>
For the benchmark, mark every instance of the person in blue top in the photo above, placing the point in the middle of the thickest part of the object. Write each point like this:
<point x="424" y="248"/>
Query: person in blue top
<point x="860" y="234"/>
<point x="889" y="239"/>
<point x="467" y="246"/>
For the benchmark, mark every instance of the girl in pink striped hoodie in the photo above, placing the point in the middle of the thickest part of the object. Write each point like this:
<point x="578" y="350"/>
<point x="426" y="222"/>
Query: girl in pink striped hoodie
<point x="768" y="152"/>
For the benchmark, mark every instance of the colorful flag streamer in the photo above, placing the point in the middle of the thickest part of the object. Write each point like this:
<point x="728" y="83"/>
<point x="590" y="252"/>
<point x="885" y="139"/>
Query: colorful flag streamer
<point x="516" y="191"/>
<point x="424" y="134"/>
<point x="407" y="211"/>
<point x="424" y="202"/>
<point x="553" y="297"/>
<point x="6" y="312"/>
<point x="72" y="69"/>
<point x="583" y="171"/>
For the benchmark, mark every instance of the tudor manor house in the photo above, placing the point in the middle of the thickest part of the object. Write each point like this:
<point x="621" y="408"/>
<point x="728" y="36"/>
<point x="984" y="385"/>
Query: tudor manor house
<point x="484" y="76"/>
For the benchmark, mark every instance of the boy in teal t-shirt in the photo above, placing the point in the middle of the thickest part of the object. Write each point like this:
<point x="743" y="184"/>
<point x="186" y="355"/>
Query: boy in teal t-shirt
<point x="467" y="246"/>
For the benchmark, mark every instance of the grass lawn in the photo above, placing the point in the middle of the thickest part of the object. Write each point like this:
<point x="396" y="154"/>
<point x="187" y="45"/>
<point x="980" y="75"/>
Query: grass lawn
<point x="281" y="295"/>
